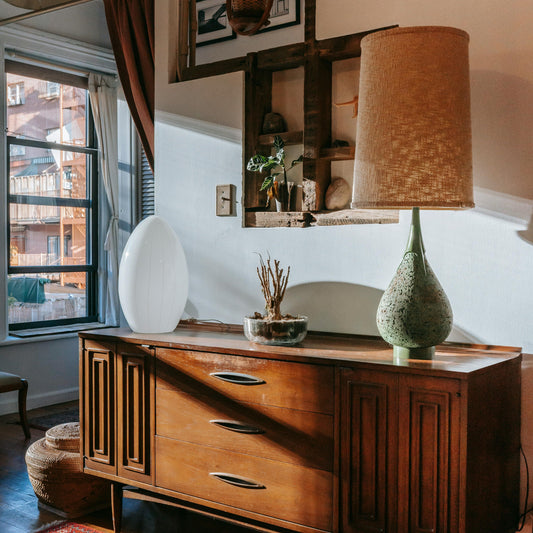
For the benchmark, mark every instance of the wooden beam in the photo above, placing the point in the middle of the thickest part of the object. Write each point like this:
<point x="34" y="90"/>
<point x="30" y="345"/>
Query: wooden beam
<point x="257" y="103"/>
<point x="317" y="130"/>
<point x="214" y="69"/>
<point x="183" y="39"/>
<point x="282" y="57"/>
<point x="310" y="25"/>
<point x="344" y="47"/>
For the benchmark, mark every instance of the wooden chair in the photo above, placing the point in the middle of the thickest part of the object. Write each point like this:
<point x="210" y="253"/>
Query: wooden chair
<point x="11" y="382"/>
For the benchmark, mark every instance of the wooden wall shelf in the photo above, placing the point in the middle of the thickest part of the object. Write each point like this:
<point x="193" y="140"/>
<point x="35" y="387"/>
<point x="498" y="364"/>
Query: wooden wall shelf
<point x="289" y="138"/>
<point x="316" y="58"/>
<point x="274" y="219"/>
<point x="344" y="153"/>
<point x="302" y="219"/>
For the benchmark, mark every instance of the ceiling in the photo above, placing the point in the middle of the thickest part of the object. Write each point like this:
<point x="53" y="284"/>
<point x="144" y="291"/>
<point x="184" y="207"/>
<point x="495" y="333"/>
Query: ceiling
<point x="83" y="22"/>
<point x="35" y="4"/>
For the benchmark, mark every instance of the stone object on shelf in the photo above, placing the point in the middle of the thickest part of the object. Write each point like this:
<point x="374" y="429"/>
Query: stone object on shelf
<point x="274" y="123"/>
<point x="338" y="194"/>
<point x="339" y="143"/>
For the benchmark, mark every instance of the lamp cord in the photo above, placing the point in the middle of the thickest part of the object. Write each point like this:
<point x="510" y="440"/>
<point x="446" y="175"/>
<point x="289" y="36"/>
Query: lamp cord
<point x="522" y="517"/>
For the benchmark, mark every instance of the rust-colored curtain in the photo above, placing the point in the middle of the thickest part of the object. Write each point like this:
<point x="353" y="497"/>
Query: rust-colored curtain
<point x="131" y="28"/>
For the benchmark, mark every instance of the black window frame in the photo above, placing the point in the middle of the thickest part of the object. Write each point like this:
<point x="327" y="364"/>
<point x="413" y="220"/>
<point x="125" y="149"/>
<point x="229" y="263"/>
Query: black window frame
<point x="90" y="203"/>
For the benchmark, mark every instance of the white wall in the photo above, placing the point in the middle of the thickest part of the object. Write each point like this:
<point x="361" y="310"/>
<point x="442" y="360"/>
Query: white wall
<point x="50" y="366"/>
<point x="483" y="257"/>
<point x="482" y="261"/>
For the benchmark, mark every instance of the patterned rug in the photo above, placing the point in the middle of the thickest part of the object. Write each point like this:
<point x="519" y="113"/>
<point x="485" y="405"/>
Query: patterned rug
<point x="68" y="527"/>
<point x="45" y="422"/>
<point x="71" y="414"/>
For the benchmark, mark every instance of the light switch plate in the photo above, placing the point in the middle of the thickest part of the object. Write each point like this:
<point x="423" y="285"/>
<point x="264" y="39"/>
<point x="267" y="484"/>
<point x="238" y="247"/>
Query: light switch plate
<point x="225" y="205"/>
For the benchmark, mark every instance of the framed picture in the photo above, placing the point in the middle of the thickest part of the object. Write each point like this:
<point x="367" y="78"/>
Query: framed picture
<point x="283" y="13"/>
<point x="213" y="25"/>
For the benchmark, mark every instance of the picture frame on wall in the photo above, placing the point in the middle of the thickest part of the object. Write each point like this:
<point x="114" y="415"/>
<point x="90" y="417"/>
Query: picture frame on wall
<point x="284" y="13"/>
<point x="213" y="24"/>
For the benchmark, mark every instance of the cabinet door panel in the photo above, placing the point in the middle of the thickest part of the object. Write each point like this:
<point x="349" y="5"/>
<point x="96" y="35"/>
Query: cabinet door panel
<point x="429" y="439"/>
<point x="368" y="457"/>
<point x="134" y="412"/>
<point x="99" y="407"/>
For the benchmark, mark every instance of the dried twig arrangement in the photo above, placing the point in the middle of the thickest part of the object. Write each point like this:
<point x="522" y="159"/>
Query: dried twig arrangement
<point x="273" y="286"/>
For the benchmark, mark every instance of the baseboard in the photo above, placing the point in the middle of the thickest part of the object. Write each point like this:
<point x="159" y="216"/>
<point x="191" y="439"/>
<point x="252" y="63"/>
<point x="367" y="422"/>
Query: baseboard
<point x="10" y="403"/>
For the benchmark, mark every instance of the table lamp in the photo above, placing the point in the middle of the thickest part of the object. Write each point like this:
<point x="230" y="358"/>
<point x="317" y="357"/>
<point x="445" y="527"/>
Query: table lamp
<point x="414" y="150"/>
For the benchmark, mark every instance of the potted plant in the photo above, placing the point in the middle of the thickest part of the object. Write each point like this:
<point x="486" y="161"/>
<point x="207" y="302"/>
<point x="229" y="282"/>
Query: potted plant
<point x="273" y="327"/>
<point x="275" y="183"/>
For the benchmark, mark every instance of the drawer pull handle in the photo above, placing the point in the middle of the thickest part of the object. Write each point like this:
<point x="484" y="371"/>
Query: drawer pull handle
<point x="239" y="379"/>
<point x="238" y="481"/>
<point x="239" y="427"/>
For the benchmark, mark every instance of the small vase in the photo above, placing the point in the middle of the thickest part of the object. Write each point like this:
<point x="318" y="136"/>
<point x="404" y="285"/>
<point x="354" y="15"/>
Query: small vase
<point x="283" y="195"/>
<point x="276" y="332"/>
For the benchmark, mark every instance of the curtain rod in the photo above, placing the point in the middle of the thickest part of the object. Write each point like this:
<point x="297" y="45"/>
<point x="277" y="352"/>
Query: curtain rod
<point x="43" y="11"/>
<point x="38" y="61"/>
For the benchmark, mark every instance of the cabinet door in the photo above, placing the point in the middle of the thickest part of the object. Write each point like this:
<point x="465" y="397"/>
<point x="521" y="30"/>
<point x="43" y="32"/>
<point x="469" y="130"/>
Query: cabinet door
<point x="429" y="440"/>
<point x="98" y="406"/>
<point x="134" y="411"/>
<point x="368" y="424"/>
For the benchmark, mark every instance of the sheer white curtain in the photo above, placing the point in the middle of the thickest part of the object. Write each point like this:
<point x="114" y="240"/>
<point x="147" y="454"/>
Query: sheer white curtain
<point x="103" y="95"/>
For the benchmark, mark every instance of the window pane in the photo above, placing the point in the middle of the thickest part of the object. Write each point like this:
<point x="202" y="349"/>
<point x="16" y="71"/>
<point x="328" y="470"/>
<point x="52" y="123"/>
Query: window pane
<point x="46" y="111"/>
<point x="37" y="232"/>
<point x="33" y="298"/>
<point x="43" y="172"/>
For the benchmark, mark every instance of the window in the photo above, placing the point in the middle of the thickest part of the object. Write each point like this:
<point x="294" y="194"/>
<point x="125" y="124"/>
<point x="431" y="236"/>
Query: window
<point x="15" y="93"/>
<point x="146" y="186"/>
<point x="17" y="151"/>
<point x="52" y="89"/>
<point x="52" y="229"/>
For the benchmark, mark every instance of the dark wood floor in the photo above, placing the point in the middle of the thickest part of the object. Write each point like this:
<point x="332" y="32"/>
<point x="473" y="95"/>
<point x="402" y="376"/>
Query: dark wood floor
<point x="19" y="512"/>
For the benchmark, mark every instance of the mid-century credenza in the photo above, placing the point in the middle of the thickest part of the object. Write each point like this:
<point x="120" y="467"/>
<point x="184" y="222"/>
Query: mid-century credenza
<point x="332" y="435"/>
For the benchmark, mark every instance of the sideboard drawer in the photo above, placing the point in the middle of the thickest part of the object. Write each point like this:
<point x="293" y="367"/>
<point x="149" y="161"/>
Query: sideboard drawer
<point x="288" y="435"/>
<point x="248" y="379"/>
<point x="280" y="490"/>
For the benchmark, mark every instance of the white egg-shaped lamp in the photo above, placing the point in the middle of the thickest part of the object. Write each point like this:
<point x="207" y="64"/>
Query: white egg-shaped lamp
<point x="153" y="280"/>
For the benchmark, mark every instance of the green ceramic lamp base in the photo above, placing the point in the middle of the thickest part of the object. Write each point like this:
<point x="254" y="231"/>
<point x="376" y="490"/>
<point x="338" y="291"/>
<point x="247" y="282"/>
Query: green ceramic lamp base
<point x="414" y="314"/>
<point x="400" y="352"/>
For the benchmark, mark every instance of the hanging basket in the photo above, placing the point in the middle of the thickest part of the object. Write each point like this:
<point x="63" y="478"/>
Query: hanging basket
<point x="247" y="17"/>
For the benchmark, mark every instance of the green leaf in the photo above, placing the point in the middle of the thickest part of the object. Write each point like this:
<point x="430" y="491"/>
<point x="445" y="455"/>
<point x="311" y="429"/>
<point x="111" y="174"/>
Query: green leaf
<point x="279" y="143"/>
<point x="296" y="161"/>
<point x="256" y="163"/>
<point x="267" y="183"/>
<point x="270" y="163"/>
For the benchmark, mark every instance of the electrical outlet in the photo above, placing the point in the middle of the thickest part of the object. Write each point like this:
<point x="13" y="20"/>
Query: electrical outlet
<point x="225" y="206"/>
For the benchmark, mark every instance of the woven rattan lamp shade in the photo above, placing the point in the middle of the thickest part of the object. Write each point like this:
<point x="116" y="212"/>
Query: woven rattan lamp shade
<point x="414" y="145"/>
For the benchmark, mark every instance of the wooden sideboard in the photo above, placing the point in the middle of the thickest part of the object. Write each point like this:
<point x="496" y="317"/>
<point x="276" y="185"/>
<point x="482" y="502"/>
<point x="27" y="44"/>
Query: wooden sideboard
<point x="331" y="435"/>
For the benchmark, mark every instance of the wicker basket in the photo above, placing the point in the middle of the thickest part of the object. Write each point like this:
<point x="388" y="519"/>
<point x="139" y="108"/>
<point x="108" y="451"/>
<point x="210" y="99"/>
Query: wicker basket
<point x="248" y="8"/>
<point x="55" y="471"/>
<point x="246" y="17"/>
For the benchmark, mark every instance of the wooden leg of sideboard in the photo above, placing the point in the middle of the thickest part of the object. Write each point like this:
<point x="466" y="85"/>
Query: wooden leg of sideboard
<point x="116" y="506"/>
